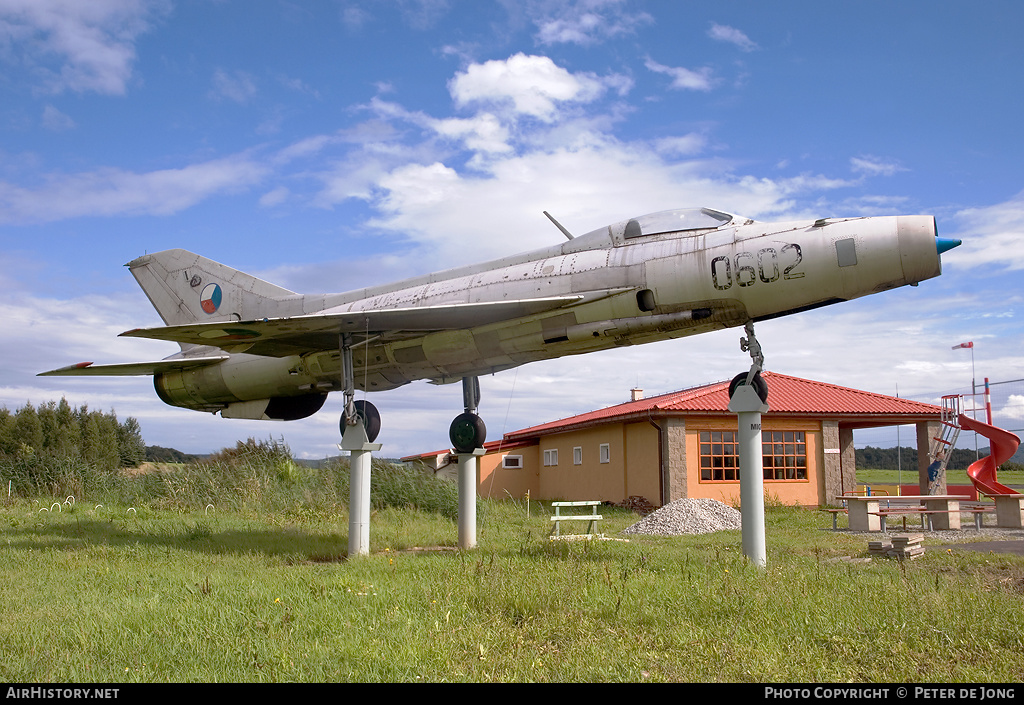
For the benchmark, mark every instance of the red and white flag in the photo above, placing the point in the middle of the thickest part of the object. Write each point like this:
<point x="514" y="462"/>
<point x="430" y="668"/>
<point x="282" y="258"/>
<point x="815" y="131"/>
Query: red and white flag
<point x="963" y="345"/>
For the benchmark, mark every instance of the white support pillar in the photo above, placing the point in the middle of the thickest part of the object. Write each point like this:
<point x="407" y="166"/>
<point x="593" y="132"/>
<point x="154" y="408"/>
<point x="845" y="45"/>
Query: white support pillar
<point x="469" y="464"/>
<point x="748" y="407"/>
<point x="360" y="457"/>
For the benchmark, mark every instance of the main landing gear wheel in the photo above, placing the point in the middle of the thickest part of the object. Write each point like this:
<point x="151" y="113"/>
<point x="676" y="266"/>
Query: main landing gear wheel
<point x="759" y="385"/>
<point x="369" y="416"/>
<point x="467" y="432"/>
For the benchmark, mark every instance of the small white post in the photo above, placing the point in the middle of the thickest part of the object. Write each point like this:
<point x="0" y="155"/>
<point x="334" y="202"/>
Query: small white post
<point x="360" y="457"/>
<point x="468" y="464"/>
<point x="748" y="407"/>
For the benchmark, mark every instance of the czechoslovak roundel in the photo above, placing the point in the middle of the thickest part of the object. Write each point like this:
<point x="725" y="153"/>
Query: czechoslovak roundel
<point x="210" y="298"/>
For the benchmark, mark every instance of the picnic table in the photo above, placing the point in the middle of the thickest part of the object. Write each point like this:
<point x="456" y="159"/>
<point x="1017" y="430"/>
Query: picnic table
<point x="863" y="511"/>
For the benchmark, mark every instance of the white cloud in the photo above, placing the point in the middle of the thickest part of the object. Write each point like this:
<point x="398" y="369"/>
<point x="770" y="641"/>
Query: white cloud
<point x="682" y="78"/>
<point x="482" y="133"/>
<point x="584" y="22"/>
<point x="1014" y="407"/>
<point x="275" y="197"/>
<point x="724" y="33"/>
<point x="236" y="86"/>
<point x="110" y="191"/>
<point x="684" y="145"/>
<point x="55" y="120"/>
<point x="78" y="46"/>
<point x="528" y="85"/>
<point x="992" y="235"/>
<point x="875" y="166"/>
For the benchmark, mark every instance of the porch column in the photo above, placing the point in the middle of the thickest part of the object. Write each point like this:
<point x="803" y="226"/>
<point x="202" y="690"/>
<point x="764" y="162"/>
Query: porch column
<point x="673" y="458"/>
<point x="926" y="431"/>
<point x="833" y="482"/>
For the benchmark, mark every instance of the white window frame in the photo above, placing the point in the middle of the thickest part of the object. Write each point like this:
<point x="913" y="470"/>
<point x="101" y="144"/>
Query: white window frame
<point x="605" y="453"/>
<point x="577" y="455"/>
<point x="512" y="462"/>
<point x="551" y="457"/>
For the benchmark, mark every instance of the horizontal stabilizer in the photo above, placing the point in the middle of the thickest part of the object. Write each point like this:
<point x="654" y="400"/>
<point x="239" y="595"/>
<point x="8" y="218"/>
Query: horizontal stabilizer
<point x="128" y="369"/>
<point x="286" y="336"/>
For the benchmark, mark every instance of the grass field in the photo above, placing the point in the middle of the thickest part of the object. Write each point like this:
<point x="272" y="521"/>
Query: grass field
<point x="115" y="594"/>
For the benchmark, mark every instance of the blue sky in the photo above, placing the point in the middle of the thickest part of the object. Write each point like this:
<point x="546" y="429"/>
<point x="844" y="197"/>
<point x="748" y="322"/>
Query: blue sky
<point x="329" y="145"/>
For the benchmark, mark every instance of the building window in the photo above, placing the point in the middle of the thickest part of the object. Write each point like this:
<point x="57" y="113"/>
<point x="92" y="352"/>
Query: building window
<point x="718" y="457"/>
<point x="605" y="453"/>
<point x="512" y="462"/>
<point x="551" y="457"/>
<point x="784" y="456"/>
<point x="577" y="456"/>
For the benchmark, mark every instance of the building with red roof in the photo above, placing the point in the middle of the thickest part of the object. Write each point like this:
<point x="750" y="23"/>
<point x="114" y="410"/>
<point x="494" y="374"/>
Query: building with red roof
<point x="683" y="444"/>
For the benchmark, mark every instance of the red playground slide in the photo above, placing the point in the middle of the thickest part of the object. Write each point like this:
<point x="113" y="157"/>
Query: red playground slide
<point x="1002" y="446"/>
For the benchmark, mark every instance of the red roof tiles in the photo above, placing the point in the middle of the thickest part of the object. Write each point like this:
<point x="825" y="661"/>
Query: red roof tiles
<point x="789" y="396"/>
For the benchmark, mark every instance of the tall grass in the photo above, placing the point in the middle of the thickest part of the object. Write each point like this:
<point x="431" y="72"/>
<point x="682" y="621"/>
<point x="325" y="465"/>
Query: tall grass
<point x="254" y="476"/>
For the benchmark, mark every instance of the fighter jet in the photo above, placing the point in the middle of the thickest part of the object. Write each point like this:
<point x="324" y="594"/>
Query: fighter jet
<point x="253" y="350"/>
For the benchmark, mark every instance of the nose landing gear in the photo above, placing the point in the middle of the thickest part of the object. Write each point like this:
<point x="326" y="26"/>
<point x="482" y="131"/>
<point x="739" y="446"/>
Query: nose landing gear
<point x="747" y="396"/>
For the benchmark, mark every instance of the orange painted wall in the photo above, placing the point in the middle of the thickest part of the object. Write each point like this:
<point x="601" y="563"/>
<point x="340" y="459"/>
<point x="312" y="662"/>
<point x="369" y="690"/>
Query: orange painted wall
<point x="643" y="458"/>
<point x="590" y="479"/>
<point x="632" y="468"/>
<point x="500" y="482"/>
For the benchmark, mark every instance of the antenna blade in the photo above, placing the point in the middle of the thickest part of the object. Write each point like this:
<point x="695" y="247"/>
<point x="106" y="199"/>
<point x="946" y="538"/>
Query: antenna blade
<point x="558" y="225"/>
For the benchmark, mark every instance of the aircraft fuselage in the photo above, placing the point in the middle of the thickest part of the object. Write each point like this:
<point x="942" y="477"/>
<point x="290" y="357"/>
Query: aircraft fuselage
<point x="253" y="350"/>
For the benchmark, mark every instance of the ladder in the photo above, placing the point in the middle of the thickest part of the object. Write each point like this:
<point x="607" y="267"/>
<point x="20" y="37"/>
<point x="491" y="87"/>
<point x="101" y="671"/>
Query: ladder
<point x="942" y="445"/>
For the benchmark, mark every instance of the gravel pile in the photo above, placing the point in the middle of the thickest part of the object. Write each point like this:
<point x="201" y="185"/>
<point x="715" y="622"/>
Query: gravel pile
<point x="687" y="516"/>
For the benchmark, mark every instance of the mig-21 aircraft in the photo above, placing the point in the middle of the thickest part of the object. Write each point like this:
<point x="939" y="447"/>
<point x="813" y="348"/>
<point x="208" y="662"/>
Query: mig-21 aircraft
<point x="253" y="350"/>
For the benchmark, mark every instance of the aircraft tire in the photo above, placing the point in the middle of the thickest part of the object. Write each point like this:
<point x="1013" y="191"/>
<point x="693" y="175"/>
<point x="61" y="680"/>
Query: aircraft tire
<point x="370" y="417"/>
<point x="759" y="385"/>
<point x="467" y="432"/>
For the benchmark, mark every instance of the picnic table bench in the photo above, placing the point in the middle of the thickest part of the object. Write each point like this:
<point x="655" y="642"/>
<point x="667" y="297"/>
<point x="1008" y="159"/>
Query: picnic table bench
<point x="592" y="518"/>
<point x="835" y="512"/>
<point x="884" y="514"/>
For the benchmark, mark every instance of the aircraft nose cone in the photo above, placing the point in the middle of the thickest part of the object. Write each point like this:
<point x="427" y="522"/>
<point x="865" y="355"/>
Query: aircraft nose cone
<point x="945" y="244"/>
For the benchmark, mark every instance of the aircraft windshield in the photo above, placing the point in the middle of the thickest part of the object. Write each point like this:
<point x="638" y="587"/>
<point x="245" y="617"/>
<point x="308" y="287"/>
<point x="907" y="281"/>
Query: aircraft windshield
<point x="675" y="221"/>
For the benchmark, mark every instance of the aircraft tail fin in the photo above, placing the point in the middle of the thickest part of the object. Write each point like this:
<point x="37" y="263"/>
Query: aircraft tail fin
<point x="187" y="288"/>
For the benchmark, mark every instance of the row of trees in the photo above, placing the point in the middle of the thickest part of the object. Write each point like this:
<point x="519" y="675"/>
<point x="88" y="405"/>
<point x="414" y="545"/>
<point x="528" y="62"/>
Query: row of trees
<point x="56" y="430"/>
<point x="893" y="458"/>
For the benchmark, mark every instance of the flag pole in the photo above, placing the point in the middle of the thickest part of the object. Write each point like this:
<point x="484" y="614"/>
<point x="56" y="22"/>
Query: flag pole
<point x="974" y="391"/>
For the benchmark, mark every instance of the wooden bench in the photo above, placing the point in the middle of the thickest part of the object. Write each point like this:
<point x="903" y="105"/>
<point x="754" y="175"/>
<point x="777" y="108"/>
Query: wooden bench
<point x="834" y="512"/>
<point x="592" y="518"/>
<point x="927" y="514"/>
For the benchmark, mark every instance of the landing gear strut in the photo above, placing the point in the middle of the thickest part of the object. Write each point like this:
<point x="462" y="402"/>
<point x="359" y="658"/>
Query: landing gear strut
<point x="468" y="432"/>
<point x="747" y="396"/>
<point x="753" y="376"/>
<point x="356" y="411"/>
<point x="360" y="424"/>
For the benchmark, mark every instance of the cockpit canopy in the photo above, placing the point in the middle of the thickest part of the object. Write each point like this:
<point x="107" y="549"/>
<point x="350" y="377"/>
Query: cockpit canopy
<point x="676" y="221"/>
